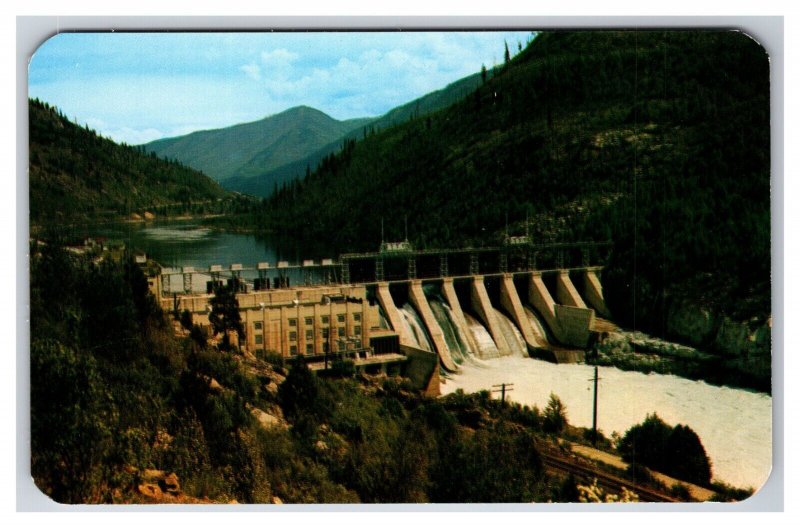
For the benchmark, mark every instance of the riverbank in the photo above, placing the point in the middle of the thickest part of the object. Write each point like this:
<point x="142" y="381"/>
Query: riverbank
<point x="639" y="352"/>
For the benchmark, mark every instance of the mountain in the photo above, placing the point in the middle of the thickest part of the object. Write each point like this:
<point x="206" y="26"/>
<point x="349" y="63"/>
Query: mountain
<point x="76" y="174"/>
<point x="245" y="149"/>
<point x="259" y="179"/>
<point x="658" y="141"/>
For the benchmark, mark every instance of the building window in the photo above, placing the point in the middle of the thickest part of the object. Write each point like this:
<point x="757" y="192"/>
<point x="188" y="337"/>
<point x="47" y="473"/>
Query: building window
<point x="326" y="319"/>
<point x="340" y="318"/>
<point x="309" y="334"/>
<point x="309" y="321"/>
<point x="356" y="317"/>
<point x="292" y="336"/>
<point x="325" y="347"/>
<point x="357" y="330"/>
<point x="292" y="322"/>
<point x="341" y="331"/>
<point x="325" y="333"/>
<point x="309" y="348"/>
<point x="342" y="346"/>
<point x="259" y="339"/>
<point x="293" y="350"/>
<point x="257" y="325"/>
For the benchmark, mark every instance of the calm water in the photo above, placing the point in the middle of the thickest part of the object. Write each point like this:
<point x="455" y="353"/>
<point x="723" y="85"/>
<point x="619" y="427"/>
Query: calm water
<point x="175" y="244"/>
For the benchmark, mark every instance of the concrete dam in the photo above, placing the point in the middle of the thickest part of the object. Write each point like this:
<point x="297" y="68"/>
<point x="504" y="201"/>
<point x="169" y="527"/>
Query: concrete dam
<point x="399" y="305"/>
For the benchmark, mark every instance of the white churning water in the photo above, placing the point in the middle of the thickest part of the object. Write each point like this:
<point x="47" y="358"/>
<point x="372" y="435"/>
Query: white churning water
<point x="455" y="341"/>
<point x="414" y="326"/>
<point x="511" y="334"/>
<point x="483" y="340"/>
<point x="734" y="425"/>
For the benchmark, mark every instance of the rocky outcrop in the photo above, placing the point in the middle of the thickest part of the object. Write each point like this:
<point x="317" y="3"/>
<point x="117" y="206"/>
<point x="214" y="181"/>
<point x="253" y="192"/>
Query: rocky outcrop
<point x="159" y="487"/>
<point x="744" y="346"/>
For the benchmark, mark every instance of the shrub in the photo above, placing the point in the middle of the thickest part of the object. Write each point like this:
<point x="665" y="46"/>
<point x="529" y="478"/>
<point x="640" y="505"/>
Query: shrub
<point x="344" y="368"/>
<point x="186" y="319"/>
<point x="675" y="451"/>
<point x="555" y="415"/>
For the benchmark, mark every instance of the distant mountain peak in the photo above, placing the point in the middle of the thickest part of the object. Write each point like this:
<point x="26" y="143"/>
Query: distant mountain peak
<point x="270" y="142"/>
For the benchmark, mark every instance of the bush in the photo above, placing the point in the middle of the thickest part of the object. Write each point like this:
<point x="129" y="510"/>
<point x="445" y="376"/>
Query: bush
<point x="275" y="359"/>
<point x="186" y="319"/>
<point x="300" y="394"/>
<point x="675" y="451"/>
<point x="344" y="368"/>
<point x="555" y="415"/>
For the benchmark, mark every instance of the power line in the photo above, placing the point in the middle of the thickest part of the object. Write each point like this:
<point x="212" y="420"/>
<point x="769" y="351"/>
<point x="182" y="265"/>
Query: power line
<point x="503" y="388"/>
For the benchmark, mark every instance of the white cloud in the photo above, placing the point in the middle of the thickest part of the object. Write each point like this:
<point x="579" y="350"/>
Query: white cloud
<point x="279" y="60"/>
<point x="252" y="70"/>
<point x="133" y="136"/>
<point x="343" y="74"/>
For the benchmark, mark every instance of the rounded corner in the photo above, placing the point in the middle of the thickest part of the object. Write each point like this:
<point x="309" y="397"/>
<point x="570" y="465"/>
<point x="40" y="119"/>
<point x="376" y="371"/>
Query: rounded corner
<point x="41" y="44"/>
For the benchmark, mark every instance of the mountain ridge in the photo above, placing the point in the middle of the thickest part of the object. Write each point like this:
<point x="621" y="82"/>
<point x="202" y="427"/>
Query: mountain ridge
<point x="74" y="173"/>
<point x="221" y="152"/>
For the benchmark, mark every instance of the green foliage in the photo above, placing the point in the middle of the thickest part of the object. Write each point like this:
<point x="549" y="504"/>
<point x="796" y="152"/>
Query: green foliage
<point x="300" y="395"/>
<point x="726" y="493"/>
<point x="676" y="451"/>
<point x="225" y="317"/>
<point x="186" y="319"/>
<point x="75" y="174"/>
<point x="344" y="368"/>
<point x="681" y="492"/>
<point x="555" y="415"/>
<point x="69" y="441"/>
<point x="496" y="464"/>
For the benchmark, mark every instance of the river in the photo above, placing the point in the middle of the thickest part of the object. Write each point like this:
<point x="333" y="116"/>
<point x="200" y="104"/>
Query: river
<point x="734" y="425"/>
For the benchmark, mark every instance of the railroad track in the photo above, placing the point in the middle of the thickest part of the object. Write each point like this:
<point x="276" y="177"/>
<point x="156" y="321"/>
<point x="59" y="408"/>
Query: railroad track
<point x="605" y="480"/>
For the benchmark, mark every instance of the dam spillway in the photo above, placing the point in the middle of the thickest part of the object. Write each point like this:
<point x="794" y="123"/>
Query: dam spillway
<point x="432" y="300"/>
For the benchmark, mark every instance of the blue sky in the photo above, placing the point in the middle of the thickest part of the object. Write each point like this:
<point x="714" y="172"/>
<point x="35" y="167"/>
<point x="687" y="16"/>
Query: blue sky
<point x="137" y="87"/>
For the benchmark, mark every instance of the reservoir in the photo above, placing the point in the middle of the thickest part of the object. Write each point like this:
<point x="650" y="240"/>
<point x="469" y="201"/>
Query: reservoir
<point x="734" y="425"/>
<point x="187" y="243"/>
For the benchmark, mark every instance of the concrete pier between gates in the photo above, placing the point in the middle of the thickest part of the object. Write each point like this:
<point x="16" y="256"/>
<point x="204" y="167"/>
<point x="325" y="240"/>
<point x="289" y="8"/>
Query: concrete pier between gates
<point x="450" y="296"/>
<point x="483" y="307"/>
<point x="418" y="300"/>
<point x="509" y="300"/>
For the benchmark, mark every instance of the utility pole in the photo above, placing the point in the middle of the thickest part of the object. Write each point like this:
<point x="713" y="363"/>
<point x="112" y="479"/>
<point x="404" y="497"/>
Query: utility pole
<point x="503" y="388"/>
<point x="594" y="408"/>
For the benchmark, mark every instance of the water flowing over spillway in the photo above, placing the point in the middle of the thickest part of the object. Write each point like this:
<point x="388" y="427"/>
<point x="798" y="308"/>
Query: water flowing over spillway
<point x="415" y="327"/>
<point x="734" y="425"/>
<point x="536" y="324"/>
<point x="382" y="321"/>
<point x="483" y="340"/>
<point x="511" y="334"/>
<point x="456" y="342"/>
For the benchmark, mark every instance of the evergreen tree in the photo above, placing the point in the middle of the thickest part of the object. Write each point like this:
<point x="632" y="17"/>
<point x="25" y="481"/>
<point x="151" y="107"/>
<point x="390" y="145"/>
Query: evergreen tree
<point x="225" y="317"/>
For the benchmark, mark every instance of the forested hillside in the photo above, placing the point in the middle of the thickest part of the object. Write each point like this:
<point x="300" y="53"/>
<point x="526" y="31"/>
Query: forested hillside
<point x="262" y="179"/>
<point x="658" y="141"/>
<point x="75" y="174"/>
